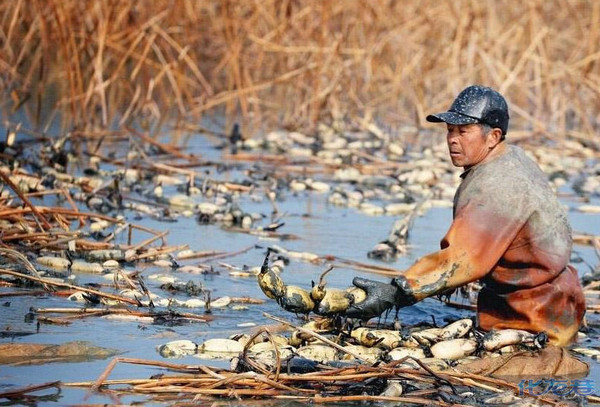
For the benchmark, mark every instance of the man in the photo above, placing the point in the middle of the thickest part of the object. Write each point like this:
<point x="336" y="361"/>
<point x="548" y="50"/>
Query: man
<point x="509" y="231"/>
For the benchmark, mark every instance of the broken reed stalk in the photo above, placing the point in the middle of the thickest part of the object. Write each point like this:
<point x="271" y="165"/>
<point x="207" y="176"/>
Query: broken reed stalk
<point x="55" y="243"/>
<point x="36" y="235"/>
<point x="61" y="211"/>
<point x="69" y="319"/>
<point x="263" y="233"/>
<point x="159" y="252"/>
<point x="171" y="366"/>
<point x="38" y="216"/>
<point x="400" y="399"/>
<point x="150" y="240"/>
<point x="73" y="214"/>
<point x="20" y="257"/>
<point x="477" y="380"/>
<point x="71" y="286"/>
<point x="401" y="228"/>
<point x="82" y="215"/>
<point x="81" y="313"/>
<point x="221" y="255"/>
<point x="157" y="167"/>
<point x="23" y="391"/>
<point x="62" y="191"/>
<point x="200" y="255"/>
<point x="23" y="293"/>
<point x="250" y="362"/>
<point x="356" y="265"/>
<point x="123" y="275"/>
<point x="120" y="229"/>
<point x="585" y="239"/>
<point x="338" y="399"/>
<point x="164" y="147"/>
<point x="209" y="383"/>
<point x="67" y="195"/>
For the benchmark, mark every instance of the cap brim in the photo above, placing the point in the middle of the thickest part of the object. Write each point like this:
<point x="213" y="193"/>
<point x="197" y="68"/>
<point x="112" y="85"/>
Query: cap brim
<point x="451" y="118"/>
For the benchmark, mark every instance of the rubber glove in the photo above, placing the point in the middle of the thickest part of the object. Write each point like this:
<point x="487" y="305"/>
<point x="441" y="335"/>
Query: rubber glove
<point x="380" y="297"/>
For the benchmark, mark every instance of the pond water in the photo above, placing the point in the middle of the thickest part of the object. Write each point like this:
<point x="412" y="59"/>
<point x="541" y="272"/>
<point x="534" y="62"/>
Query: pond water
<point x="322" y="228"/>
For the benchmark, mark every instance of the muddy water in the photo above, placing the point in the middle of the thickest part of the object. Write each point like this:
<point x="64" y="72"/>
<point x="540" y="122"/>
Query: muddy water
<point x="323" y="229"/>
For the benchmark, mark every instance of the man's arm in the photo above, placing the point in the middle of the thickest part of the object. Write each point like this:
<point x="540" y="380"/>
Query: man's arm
<point x="476" y="240"/>
<point x="480" y="234"/>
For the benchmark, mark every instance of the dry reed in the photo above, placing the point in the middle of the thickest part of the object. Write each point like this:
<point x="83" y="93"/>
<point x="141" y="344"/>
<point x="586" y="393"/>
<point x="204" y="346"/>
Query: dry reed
<point x="324" y="386"/>
<point x="109" y="63"/>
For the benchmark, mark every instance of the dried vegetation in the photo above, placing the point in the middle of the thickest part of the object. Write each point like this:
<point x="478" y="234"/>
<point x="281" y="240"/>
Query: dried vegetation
<point x="356" y="78"/>
<point x="295" y="63"/>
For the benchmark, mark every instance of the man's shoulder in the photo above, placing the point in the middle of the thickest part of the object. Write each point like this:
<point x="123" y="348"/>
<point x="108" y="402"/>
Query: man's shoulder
<point x="511" y="174"/>
<point x="513" y="164"/>
<point x="517" y="153"/>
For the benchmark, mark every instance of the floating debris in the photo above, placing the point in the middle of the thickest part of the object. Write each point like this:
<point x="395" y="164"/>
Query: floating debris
<point x="56" y="263"/>
<point x="323" y="359"/>
<point x="90" y="235"/>
<point x="178" y="348"/>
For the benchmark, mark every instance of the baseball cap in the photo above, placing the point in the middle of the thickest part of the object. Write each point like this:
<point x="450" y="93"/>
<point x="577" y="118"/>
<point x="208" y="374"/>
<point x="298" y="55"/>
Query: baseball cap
<point x="476" y="104"/>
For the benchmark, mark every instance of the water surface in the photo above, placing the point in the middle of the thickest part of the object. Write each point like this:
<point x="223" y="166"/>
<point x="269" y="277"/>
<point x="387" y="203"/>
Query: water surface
<point x="323" y="229"/>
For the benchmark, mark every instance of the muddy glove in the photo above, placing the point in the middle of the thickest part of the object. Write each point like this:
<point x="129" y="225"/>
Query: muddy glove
<point x="380" y="297"/>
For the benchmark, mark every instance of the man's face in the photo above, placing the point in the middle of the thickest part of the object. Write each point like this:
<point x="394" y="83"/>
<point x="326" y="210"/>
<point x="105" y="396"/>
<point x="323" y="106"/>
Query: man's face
<point x="467" y="144"/>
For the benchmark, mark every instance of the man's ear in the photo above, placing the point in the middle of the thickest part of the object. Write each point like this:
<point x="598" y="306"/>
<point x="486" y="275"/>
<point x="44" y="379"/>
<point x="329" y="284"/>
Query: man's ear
<point x="494" y="137"/>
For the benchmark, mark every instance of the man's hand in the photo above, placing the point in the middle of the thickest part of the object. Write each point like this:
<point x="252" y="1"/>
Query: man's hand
<point x="380" y="297"/>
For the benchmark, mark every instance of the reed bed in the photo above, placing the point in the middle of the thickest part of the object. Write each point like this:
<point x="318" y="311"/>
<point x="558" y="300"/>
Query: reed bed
<point x="110" y="63"/>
